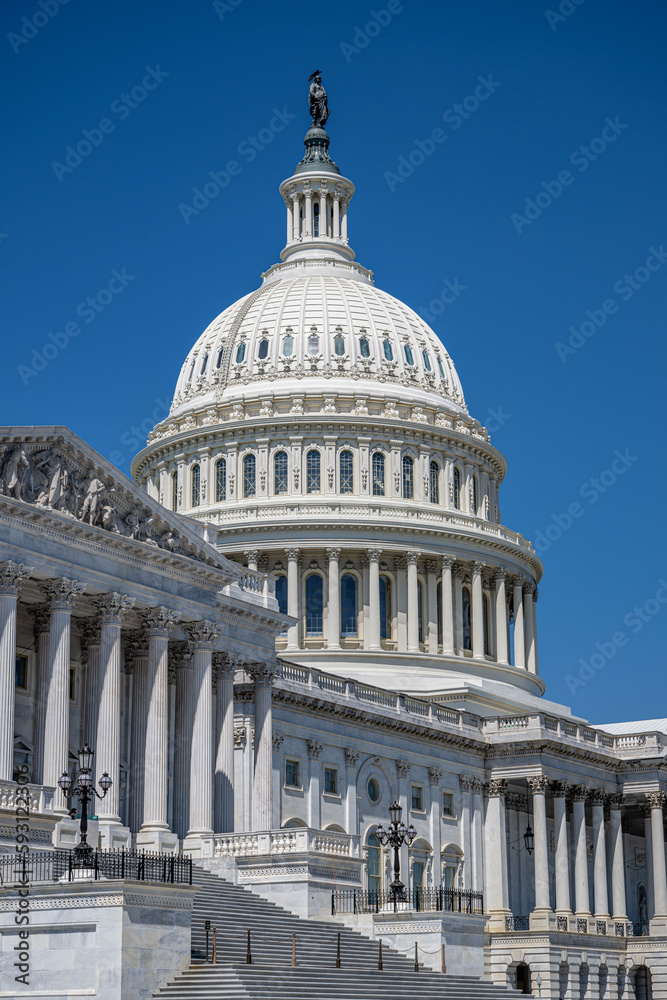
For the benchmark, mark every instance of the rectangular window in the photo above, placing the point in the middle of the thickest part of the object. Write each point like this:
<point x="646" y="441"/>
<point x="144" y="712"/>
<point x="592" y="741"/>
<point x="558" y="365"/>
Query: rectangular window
<point x="21" y="672"/>
<point x="447" y="804"/>
<point x="331" y="780"/>
<point x="292" y="774"/>
<point x="72" y="683"/>
<point x="417" y="798"/>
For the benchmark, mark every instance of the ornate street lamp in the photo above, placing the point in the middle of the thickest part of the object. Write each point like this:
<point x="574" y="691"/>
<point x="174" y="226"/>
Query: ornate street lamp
<point x="529" y="839"/>
<point x="397" y="835"/>
<point x="86" y="791"/>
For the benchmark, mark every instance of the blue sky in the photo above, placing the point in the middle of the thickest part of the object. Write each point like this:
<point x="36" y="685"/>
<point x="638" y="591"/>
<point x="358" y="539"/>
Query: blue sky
<point x="544" y="205"/>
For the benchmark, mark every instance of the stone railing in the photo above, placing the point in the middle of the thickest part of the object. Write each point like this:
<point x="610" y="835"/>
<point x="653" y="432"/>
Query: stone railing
<point x="297" y="840"/>
<point x="536" y="725"/>
<point x="40" y="797"/>
<point x="255" y="588"/>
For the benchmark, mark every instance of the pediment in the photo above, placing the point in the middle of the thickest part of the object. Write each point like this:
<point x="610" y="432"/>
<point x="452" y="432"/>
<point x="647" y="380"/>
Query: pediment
<point x="53" y="472"/>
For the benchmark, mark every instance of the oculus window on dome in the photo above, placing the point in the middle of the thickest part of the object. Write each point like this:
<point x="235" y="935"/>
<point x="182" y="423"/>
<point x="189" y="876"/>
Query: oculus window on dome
<point x="263" y="349"/>
<point x="288" y="346"/>
<point x="240" y="353"/>
<point x="364" y="347"/>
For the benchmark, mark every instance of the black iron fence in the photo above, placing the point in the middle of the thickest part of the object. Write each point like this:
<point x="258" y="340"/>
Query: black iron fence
<point x="447" y="900"/>
<point x="51" y="866"/>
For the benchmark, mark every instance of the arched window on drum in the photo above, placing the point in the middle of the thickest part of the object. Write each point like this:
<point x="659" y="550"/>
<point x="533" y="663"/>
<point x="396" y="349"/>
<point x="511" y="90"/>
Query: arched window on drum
<point x="249" y="476"/>
<point x="220" y="480"/>
<point x="313" y="471"/>
<point x="465" y="611"/>
<point x="346" y="483"/>
<point x="280" y="484"/>
<point x="314" y="605"/>
<point x="456" y="488"/>
<point x="348" y="606"/>
<point x="408" y="478"/>
<point x="195" y="485"/>
<point x="377" y="473"/>
<point x="434" y="482"/>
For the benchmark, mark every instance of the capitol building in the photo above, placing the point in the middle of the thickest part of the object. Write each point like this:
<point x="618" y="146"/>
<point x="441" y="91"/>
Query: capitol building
<point x="302" y="608"/>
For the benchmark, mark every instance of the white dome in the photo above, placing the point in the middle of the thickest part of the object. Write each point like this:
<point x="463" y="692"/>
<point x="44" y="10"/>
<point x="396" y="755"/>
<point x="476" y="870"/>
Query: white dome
<point x="317" y="319"/>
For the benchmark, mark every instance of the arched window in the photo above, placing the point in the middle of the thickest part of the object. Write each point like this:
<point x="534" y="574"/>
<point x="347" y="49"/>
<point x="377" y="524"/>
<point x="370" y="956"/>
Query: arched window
<point x="420" y="609"/>
<point x="465" y="612"/>
<point x="364" y="347"/>
<point x="219" y="361"/>
<point x="409" y="357"/>
<point x="316" y="219"/>
<point x="441" y="367"/>
<point x="346" y="472"/>
<point x="373" y="867"/>
<point x="263" y="351"/>
<point x="249" y="476"/>
<point x="408" y="478"/>
<point x="204" y="363"/>
<point x="434" y="482"/>
<point x="174" y="490"/>
<point x="313" y="471"/>
<point x="240" y="353"/>
<point x="314" y="605"/>
<point x="456" y="488"/>
<point x="313" y="344"/>
<point x="385" y="607"/>
<point x="348" y="605"/>
<point x="288" y="345"/>
<point x="220" y="481"/>
<point x="438" y="613"/>
<point x="427" y="361"/>
<point x="339" y="344"/>
<point x="485" y="624"/>
<point x="281" y="593"/>
<point x="280" y="472"/>
<point x="473" y="497"/>
<point x="195" y="485"/>
<point x="377" y="472"/>
<point x="388" y="350"/>
<point x="192" y="369"/>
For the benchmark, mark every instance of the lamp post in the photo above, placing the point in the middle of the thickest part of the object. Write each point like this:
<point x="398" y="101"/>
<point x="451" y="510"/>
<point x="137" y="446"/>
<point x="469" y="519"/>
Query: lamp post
<point x="86" y="791"/>
<point x="397" y="835"/>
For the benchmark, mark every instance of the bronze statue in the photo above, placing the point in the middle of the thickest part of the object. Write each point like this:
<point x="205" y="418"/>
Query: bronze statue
<point x="317" y="100"/>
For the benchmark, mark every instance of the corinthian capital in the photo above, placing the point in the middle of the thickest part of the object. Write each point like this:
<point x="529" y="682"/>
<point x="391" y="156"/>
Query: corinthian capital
<point x="62" y="592"/>
<point x="539" y="784"/>
<point x="333" y="554"/>
<point x="656" y="800"/>
<point x="497" y="787"/>
<point x="413" y="557"/>
<point x="12" y="576"/>
<point x="202" y="634"/>
<point x="112" y="607"/>
<point x="263" y="673"/>
<point x="41" y="616"/>
<point x="159" y="621"/>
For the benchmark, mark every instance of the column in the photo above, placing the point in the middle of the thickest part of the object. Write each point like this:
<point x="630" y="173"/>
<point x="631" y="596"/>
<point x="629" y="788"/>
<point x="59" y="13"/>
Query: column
<point x="400" y="566"/>
<point x="539" y="787"/>
<point x="447" y="607"/>
<point x="343" y="219"/>
<point x="314" y="802"/>
<point x="501" y="615"/>
<point x="582" y="907"/>
<point x="155" y="834"/>
<point x="293" y="557"/>
<point x="477" y="611"/>
<point x="402" y="773"/>
<point x="11" y="577"/>
<point x="290" y="222"/>
<point x="465" y="784"/>
<point x="618" y="903"/>
<point x="458" y="608"/>
<point x="351" y="820"/>
<point x="263" y="674"/>
<point x="40" y="613"/>
<point x="202" y="636"/>
<point x="136" y="650"/>
<point x="519" y="641"/>
<point x="477" y="835"/>
<point x="308" y="216"/>
<point x="223" y="798"/>
<point x="563" y="905"/>
<point x="514" y="870"/>
<point x="497" y="895"/>
<point x="413" y="603"/>
<point x="336" y="215"/>
<point x="648" y="850"/>
<point x="432" y="606"/>
<point x="90" y="632"/>
<point x="296" y="216"/>
<point x="656" y="801"/>
<point x="107" y="742"/>
<point x="60" y="593"/>
<point x="181" y="657"/>
<point x="374" y="596"/>
<point x="529" y="626"/>
<point x="435" y="825"/>
<point x="252" y="557"/>
<point x="600" y="894"/>
<point x="333" y="609"/>
<point x="323" y="208"/>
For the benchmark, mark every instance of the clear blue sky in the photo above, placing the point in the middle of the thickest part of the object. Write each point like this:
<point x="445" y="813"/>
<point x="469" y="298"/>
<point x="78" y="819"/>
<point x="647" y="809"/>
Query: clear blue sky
<point x="216" y="77"/>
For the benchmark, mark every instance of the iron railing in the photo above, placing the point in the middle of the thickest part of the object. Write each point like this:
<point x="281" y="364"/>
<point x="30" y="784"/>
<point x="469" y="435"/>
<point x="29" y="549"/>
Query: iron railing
<point x="447" y="900"/>
<point x="51" y="866"/>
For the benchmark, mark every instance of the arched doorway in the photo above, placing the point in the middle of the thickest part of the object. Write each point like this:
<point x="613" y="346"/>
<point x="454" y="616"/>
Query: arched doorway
<point x="523" y="977"/>
<point x="642" y="983"/>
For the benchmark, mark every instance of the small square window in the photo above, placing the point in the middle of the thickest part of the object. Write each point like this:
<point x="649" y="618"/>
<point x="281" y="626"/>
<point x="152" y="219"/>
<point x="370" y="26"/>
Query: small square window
<point x="72" y="683"/>
<point x="447" y="804"/>
<point x="331" y="780"/>
<point x="21" y="672"/>
<point x="292" y="773"/>
<point x="417" y="798"/>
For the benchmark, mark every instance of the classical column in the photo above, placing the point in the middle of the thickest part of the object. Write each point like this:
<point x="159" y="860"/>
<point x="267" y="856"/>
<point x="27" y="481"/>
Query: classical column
<point x="519" y="640"/>
<point x="333" y="609"/>
<point x="582" y="906"/>
<point x="90" y="632"/>
<point x="529" y="626"/>
<point x="293" y="558"/>
<point x="600" y="895"/>
<point x="477" y="833"/>
<point x="60" y="593"/>
<point x="40" y="614"/>
<point x="107" y="753"/>
<point x="11" y="577"/>
<point x="296" y="216"/>
<point x="202" y="636"/>
<point x="290" y="223"/>
<point x="252" y="558"/>
<point x="308" y="214"/>
<point x="323" y="208"/>
<point x="262" y="799"/>
<point x="374" y="596"/>
<point x="514" y="868"/>
<point x="336" y="215"/>
<point x="155" y="833"/>
<point x="181" y="658"/>
<point x="351" y="821"/>
<point x="343" y="220"/>
<point x="136" y="651"/>
<point x="447" y="607"/>
<point x="432" y="605"/>
<point x="501" y="615"/>
<point x="563" y="905"/>
<point x="402" y="774"/>
<point x="656" y="801"/>
<point x="435" y="823"/>
<point x="223" y="798"/>
<point x="538" y="786"/>
<point x="457" y="573"/>
<point x="648" y="850"/>
<point x="314" y="802"/>
<point x="477" y="611"/>
<point x="401" y="565"/>
<point x="497" y="895"/>
<point x="618" y="903"/>
<point x="466" y="785"/>
<point x="413" y="603"/>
